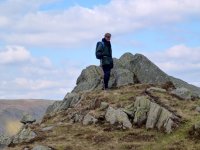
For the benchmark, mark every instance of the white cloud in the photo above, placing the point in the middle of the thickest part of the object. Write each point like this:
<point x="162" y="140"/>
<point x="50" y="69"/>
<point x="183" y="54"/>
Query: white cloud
<point x="14" y="54"/>
<point x="78" y="24"/>
<point x="179" y="61"/>
<point x="34" y="77"/>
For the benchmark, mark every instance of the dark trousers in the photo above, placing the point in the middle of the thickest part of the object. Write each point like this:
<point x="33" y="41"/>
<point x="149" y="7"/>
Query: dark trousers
<point x="106" y="70"/>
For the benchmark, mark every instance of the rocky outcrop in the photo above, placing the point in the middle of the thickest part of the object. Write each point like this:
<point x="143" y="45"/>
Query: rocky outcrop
<point x="146" y="71"/>
<point x="117" y="116"/>
<point x="90" y="79"/>
<point x="129" y="69"/>
<point x="152" y="114"/>
<point x="69" y="101"/>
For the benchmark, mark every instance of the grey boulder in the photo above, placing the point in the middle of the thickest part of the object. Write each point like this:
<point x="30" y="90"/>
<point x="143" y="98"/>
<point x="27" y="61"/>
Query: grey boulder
<point x="117" y="116"/>
<point x="182" y="93"/>
<point x="89" y="119"/>
<point x="27" y="119"/>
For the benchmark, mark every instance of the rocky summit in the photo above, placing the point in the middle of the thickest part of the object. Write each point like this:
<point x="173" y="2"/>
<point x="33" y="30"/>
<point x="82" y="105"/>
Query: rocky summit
<point x="144" y="109"/>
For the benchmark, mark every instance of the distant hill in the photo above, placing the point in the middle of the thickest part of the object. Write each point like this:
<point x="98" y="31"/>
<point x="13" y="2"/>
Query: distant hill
<point x="11" y="111"/>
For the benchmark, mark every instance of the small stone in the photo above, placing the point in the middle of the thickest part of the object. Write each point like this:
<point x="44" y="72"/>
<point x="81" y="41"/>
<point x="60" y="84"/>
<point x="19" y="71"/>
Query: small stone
<point x="104" y="105"/>
<point x="89" y="119"/>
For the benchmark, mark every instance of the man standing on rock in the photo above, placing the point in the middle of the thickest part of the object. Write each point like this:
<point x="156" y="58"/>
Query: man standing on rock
<point x="104" y="53"/>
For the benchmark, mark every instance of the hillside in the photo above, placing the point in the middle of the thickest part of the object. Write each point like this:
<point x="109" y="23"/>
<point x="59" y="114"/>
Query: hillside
<point x="66" y="134"/>
<point x="144" y="109"/>
<point x="11" y="111"/>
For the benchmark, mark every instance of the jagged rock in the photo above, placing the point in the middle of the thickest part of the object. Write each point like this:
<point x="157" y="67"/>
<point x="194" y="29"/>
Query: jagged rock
<point x="41" y="147"/>
<point x="141" y="108"/>
<point x="156" y="89"/>
<point x="89" y="119"/>
<point x="24" y="135"/>
<point x="165" y="121"/>
<point x="69" y="101"/>
<point x="123" y="77"/>
<point x="5" y="140"/>
<point x="182" y="93"/>
<point x="117" y="116"/>
<point x="146" y="71"/>
<point x="126" y="59"/>
<point x="128" y="69"/>
<point x="195" y="91"/>
<point x="54" y="107"/>
<point x="27" y="119"/>
<point x="104" y="105"/>
<point x="90" y="79"/>
<point x="153" y="115"/>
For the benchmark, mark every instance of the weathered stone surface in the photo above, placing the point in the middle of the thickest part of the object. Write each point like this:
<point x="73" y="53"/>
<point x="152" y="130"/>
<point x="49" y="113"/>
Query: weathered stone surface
<point x="164" y="121"/>
<point x="146" y="71"/>
<point x="110" y="115"/>
<point x="70" y="100"/>
<point x="198" y="109"/>
<point x="118" y="116"/>
<point x="180" y="83"/>
<point x="155" y="89"/>
<point x="89" y="119"/>
<point x="104" y="105"/>
<point x="153" y="115"/>
<point x="5" y="140"/>
<point x="24" y="135"/>
<point x="91" y="78"/>
<point x="41" y="147"/>
<point x="182" y="93"/>
<point x="123" y="77"/>
<point x="27" y="119"/>
<point x="141" y="106"/>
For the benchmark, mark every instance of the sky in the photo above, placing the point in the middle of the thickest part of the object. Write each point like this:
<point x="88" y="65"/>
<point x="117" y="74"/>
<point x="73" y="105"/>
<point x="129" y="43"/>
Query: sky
<point x="45" y="44"/>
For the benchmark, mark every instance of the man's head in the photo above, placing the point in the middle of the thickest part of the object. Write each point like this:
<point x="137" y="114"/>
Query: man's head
<point x="107" y="36"/>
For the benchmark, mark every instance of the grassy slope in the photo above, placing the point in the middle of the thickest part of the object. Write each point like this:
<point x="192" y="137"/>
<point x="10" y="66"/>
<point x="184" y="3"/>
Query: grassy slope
<point x="102" y="136"/>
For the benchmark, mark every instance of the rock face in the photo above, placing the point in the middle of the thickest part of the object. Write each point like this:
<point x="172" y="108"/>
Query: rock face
<point x="146" y="71"/>
<point x="90" y="79"/>
<point x="69" y="101"/>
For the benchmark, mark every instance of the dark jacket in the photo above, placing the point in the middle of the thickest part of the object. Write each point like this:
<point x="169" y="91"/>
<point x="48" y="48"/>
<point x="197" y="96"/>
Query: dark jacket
<point x="106" y="53"/>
